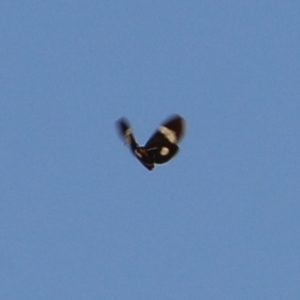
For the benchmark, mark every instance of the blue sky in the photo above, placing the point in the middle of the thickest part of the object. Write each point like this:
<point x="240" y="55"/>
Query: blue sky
<point x="81" y="218"/>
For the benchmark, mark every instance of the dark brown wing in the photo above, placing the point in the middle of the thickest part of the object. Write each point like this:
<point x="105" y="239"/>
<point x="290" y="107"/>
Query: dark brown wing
<point x="126" y="134"/>
<point x="171" y="130"/>
<point x="163" y="154"/>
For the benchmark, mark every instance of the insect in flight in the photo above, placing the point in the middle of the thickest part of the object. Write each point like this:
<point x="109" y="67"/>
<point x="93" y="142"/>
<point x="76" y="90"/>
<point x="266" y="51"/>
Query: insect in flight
<point x="162" y="145"/>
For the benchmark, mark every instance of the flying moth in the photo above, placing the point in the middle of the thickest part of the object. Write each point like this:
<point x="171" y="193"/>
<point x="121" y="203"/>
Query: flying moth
<point x="161" y="146"/>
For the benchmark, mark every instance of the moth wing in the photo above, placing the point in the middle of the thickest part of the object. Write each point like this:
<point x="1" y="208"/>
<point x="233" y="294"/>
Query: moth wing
<point x="171" y="130"/>
<point x="125" y="132"/>
<point x="163" y="154"/>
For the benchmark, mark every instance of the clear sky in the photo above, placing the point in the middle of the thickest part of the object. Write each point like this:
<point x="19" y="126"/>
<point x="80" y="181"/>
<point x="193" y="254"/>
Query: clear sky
<point x="81" y="218"/>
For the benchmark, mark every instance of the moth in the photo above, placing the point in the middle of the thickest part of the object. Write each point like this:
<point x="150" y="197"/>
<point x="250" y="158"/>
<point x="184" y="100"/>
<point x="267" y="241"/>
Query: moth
<point x="162" y="145"/>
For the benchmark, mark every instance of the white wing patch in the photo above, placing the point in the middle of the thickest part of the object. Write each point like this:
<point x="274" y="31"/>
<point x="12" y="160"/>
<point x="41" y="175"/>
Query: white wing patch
<point x="164" y="151"/>
<point x="127" y="136"/>
<point x="169" y="134"/>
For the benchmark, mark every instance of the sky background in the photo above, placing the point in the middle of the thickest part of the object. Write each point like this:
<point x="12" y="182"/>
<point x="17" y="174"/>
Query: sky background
<point x="81" y="218"/>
